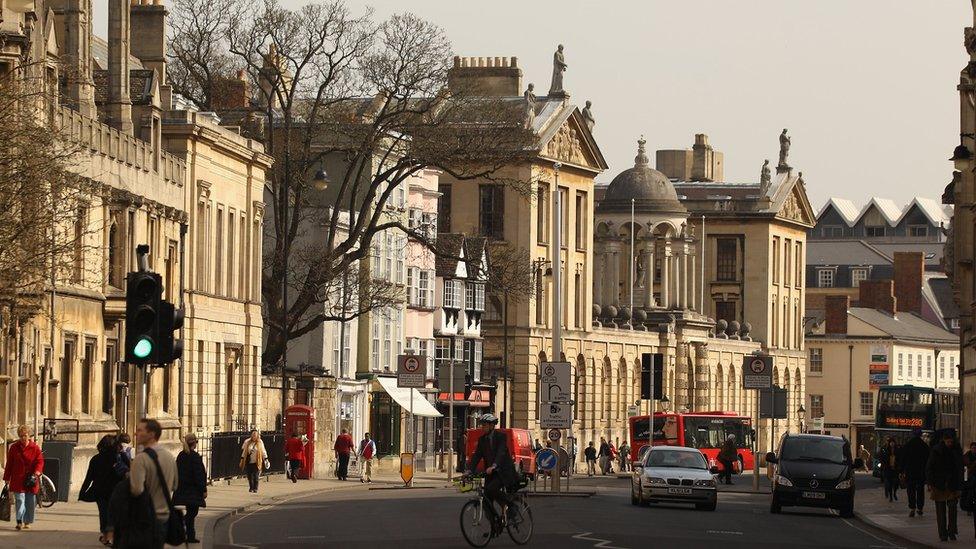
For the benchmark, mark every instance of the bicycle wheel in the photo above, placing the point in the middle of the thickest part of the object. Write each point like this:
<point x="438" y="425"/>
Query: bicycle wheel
<point x="47" y="493"/>
<point x="475" y="525"/>
<point x="520" y="523"/>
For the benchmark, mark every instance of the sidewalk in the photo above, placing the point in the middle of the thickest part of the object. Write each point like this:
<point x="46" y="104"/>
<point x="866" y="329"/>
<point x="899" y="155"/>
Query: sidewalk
<point x="75" y="524"/>
<point x="871" y="507"/>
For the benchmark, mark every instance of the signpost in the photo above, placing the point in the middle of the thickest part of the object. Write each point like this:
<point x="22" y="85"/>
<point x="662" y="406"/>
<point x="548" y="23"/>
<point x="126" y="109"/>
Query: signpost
<point x="406" y="468"/>
<point x="757" y="373"/>
<point x="411" y="375"/>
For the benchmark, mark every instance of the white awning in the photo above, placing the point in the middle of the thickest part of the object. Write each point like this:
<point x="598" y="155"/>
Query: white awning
<point x="421" y="406"/>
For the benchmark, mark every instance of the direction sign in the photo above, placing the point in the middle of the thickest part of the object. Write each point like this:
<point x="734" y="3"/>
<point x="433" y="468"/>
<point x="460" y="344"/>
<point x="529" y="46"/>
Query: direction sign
<point x="555" y="382"/>
<point x="410" y="371"/>
<point x="546" y="459"/>
<point x="554" y="435"/>
<point x="555" y="415"/>
<point x="757" y="372"/>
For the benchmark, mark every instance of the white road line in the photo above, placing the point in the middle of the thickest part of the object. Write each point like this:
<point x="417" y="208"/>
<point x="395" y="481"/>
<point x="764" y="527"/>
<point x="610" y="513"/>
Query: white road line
<point x="724" y="532"/>
<point x="863" y="531"/>
<point x="600" y="542"/>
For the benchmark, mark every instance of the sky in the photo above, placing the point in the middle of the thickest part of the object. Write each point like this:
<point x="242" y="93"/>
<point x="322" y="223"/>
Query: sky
<point x="867" y="88"/>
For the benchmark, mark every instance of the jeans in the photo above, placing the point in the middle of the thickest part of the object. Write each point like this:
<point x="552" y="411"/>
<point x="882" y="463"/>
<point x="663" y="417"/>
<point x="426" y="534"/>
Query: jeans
<point x="947" y="524"/>
<point x="916" y="493"/>
<point x="890" y="484"/>
<point x="343" y="471"/>
<point x="253" y="476"/>
<point x="190" y="520"/>
<point x="26" y="505"/>
<point x="294" y="466"/>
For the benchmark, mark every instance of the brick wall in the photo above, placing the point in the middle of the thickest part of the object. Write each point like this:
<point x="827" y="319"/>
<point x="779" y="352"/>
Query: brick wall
<point x="835" y="313"/>
<point x="878" y="294"/>
<point x="909" y="269"/>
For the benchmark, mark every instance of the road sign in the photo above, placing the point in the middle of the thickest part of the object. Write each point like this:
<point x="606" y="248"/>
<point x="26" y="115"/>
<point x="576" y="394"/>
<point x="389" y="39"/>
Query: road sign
<point x="757" y="372"/>
<point x="411" y="372"/>
<point x="772" y="403"/>
<point x="406" y="467"/>
<point x="555" y="382"/>
<point x="554" y="435"/>
<point x="444" y="377"/>
<point x="546" y="459"/>
<point x="555" y="415"/>
<point x="632" y="411"/>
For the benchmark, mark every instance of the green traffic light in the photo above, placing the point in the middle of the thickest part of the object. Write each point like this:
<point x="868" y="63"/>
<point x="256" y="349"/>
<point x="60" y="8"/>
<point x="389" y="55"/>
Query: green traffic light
<point x="143" y="348"/>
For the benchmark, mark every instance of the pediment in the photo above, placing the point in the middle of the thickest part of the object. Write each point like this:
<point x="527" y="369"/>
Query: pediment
<point x="572" y="143"/>
<point x="797" y="208"/>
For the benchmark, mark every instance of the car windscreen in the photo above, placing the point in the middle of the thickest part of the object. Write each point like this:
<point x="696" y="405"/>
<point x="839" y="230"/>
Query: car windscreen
<point x="675" y="458"/>
<point x="815" y="449"/>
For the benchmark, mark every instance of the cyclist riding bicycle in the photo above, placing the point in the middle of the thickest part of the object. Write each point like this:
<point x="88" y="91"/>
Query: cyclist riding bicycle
<point x="499" y="466"/>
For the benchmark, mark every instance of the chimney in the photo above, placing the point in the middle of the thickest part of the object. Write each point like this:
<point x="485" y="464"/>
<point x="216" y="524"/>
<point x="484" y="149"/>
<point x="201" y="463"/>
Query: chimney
<point x="701" y="163"/>
<point x="835" y="313"/>
<point x="878" y="294"/>
<point x="74" y="25"/>
<point x="909" y="273"/>
<point x="119" y="106"/>
<point x="231" y="93"/>
<point x="491" y="76"/>
<point x="148" y="19"/>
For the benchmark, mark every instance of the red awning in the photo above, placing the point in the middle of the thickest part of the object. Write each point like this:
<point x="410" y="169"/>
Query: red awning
<point x="479" y="398"/>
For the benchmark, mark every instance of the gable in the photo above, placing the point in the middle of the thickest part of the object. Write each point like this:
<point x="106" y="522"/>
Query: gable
<point x="572" y="143"/>
<point x="797" y="208"/>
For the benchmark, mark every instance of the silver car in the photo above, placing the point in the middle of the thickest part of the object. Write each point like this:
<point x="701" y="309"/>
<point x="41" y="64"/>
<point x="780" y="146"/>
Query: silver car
<point x="674" y="474"/>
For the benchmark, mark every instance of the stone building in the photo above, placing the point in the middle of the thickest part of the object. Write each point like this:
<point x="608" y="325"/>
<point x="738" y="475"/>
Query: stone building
<point x="162" y="175"/>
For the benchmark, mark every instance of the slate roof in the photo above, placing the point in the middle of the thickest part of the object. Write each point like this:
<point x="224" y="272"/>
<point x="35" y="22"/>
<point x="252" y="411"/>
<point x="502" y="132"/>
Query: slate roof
<point x="939" y="289"/>
<point x="845" y="252"/>
<point x="904" y="326"/>
<point x="140" y="86"/>
<point x="99" y="53"/>
<point x="449" y="246"/>
<point x="474" y="250"/>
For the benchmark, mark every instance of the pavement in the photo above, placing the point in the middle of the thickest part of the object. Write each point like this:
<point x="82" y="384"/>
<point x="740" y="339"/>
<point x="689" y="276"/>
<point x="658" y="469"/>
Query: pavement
<point x="75" y="524"/>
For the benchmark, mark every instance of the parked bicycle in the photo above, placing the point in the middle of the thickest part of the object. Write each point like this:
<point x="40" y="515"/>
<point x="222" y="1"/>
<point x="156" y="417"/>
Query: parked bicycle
<point x="47" y="493"/>
<point x="482" y="521"/>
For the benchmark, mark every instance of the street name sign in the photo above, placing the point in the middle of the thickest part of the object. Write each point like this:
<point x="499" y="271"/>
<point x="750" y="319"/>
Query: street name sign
<point x="411" y="373"/>
<point x="757" y="372"/>
<point x="555" y="382"/>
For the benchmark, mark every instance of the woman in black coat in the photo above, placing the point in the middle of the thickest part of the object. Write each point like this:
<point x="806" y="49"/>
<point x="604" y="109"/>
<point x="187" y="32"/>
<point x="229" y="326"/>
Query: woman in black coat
<point x="106" y="469"/>
<point x="191" y="490"/>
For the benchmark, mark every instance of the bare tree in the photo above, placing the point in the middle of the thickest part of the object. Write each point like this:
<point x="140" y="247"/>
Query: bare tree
<point x="369" y="99"/>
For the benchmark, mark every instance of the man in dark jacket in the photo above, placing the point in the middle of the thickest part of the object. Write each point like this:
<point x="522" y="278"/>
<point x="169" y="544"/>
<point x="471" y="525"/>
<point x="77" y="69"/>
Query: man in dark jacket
<point x="914" y="456"/>
<point x="944" y="475"/>
<point x="191" y="490"/>
<point x="499" y="467"/>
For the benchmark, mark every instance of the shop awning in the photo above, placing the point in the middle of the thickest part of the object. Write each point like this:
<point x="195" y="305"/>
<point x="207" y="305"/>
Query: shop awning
<point x="421" y="407"/>
<point x="479" y="398"/>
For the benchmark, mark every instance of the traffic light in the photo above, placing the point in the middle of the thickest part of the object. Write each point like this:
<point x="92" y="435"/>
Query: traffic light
<point x="143" y="298"/>
<point x="170" y="320"/>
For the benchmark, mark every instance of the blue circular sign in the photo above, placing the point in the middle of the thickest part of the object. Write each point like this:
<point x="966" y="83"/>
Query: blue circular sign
<point x="546" y="459"/>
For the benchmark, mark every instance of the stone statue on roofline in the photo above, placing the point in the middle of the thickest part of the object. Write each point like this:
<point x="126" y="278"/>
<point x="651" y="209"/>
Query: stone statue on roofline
<point x="558" y="68"/>
<point x="530" y="105"/>
<point x="765" y="179"/>
<point x="588" y="116"/>
<point x="784" y="150"/>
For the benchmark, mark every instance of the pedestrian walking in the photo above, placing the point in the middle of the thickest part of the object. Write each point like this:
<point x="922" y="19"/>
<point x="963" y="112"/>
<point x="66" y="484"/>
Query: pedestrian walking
<point x="604" y="456"/>
<point x="624" y="457"/>
<point x="343" y="447"/>
<point x="590" y="455"/>
<point x="154" y="472"/>
<point x="969" y="460"/>
<point x="22" y="472"/>
<point x="915" y="455"/>
<point x="191" y="491"/>
<point x="295" y="454"/>
<point x="727" y="456"/>
<point x="888" y="460"/>
<point x="103" y="474"/>
<point x="866" y="458"/>
<point x="367" y="449"/>
<point x="943" y="474"/>
<point x="253" y="458"/>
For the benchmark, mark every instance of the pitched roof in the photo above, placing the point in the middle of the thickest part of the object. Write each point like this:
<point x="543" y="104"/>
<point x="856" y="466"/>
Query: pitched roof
<point x="449" y="248"/>
<point x="844" y="252"/>
<point x="938" y="291"/>
<point x="844" y="207"/>
<point x="904" y="326"/>
<point x="935" y="212"/>
<point x="474" y="251"/>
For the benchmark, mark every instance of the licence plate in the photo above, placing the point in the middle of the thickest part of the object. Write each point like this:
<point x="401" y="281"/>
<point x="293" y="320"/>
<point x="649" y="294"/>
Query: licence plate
<point x="814" y="495"/>
<point x="680" y="491"/>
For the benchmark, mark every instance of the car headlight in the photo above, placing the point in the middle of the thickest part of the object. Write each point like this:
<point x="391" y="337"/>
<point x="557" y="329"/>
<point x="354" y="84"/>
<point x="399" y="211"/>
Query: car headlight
<point x="843" y="485"/>
<point x="705" y="483"/>
<point x="783" y="481"/>
<point x="655" y="481"/>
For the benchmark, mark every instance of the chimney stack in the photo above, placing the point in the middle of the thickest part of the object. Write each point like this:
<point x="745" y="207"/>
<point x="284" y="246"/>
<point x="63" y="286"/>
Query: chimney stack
<point x="149" y="24"/>
<point x="492" y="76"/>
<point x="118" y="105"/>
<point x="909" y="273"/>
<point x="835" y="313"/>
<point x="74" y="25"/>
<point x="878" y="294"/>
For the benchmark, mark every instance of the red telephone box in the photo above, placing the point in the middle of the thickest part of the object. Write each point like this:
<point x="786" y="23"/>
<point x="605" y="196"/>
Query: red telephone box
<point x="300" y="419"/>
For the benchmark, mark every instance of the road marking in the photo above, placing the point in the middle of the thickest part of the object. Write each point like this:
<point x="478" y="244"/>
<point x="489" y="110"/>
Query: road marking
<point x="724" y="532"/>
<point x="887" y="544"/>
<point x="601" y="542"/>
<point x="307" y="537"/>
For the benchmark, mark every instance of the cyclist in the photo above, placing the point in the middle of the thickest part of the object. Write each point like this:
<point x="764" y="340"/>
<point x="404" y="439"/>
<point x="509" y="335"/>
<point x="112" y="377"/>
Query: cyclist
<point x="499" y="466"/>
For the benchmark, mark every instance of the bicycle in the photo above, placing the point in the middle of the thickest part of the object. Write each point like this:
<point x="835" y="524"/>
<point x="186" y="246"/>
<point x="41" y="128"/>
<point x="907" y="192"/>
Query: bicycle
<point x="47" y="493"/>
<point x="481" y="521"/>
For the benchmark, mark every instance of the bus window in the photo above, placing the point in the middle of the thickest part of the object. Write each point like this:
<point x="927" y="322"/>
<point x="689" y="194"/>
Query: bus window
<point x="705" y="432"/>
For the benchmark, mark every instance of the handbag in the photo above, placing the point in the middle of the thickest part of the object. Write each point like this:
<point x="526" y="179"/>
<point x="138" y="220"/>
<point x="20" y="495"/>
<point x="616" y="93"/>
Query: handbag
<point x="5" y="504"/>
<point x="266" y="465"/>
<point x="30" y="481"/>
<point x="175" y="527"/>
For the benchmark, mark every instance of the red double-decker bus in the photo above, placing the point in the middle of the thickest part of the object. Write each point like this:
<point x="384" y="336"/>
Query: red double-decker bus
<point x="705" y="431"/>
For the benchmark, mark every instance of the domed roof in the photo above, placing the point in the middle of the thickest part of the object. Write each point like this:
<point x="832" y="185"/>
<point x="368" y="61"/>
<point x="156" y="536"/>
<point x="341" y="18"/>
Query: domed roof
<point x="650" y="189"/>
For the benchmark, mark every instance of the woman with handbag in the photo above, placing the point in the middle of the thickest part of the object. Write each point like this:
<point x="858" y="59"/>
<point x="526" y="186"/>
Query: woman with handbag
<point x="25" y="463"/>
<point x="104" y="472"/>
<point x="254" y="459"/>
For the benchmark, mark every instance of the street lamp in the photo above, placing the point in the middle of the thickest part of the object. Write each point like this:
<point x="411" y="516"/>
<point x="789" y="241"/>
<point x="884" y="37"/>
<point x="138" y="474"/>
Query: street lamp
<point x="800" y="412"/>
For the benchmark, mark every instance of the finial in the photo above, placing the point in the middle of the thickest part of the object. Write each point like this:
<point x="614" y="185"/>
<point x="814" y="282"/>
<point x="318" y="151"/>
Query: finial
<point x="641" y="158"/>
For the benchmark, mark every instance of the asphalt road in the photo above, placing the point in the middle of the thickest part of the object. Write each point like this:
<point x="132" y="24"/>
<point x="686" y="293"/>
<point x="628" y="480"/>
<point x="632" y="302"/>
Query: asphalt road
<point x="429" y="518"/>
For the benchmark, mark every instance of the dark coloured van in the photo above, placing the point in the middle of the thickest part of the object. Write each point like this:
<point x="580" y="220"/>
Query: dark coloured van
<point x="813" y="471"/>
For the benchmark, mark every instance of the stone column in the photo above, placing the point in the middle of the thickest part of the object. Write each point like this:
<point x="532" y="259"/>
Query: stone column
<point x="685" y="276"/>
<point x="665" y="275"/>
<point x="615" y="286"/>
<point x="599" y="268"/>
<point x="649" y="269"/>
<point x="682" y="393"/>
<point x="701" y="377"/>
<point x="693" y="282"/>
<point x="606" y="283"/>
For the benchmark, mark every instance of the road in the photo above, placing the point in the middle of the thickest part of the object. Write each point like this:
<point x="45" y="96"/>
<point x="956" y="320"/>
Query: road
<point x="429" y="518"/>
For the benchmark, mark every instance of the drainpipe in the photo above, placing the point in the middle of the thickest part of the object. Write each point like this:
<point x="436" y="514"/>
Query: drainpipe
<point x="181" y="400"/>
<point x="850" y="392"/>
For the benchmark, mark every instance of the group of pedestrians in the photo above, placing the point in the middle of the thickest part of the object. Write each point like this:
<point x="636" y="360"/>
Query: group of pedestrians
<point x="606" y="455"/>
<point x="940" y="468"/>
<point x="344" y="448"/>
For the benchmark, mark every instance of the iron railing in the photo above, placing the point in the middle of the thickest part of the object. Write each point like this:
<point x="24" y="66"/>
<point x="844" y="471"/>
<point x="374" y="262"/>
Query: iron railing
<point x="226" y="448"/>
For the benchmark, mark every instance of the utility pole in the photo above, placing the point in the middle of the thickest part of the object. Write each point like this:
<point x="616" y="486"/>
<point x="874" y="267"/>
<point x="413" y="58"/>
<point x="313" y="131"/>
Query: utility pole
<point x="557" y="303"/>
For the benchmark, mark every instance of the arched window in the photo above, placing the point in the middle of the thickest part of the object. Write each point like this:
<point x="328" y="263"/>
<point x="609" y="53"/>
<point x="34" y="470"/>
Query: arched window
<point x="605" y="386"/>
<point x="733" y="392"/>
<point x="719" y="388"/>
<point x="579" y="389"/>
<point x="622" y="395"/>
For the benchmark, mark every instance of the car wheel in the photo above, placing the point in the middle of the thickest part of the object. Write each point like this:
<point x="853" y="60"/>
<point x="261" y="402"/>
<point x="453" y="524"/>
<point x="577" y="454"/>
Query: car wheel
<point x="634" y="500"/>
<point x="774" y="506"/>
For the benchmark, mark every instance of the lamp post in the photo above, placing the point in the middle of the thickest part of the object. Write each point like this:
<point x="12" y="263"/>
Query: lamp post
<point x="321" y="182"/>
<point x="801" y="412"/>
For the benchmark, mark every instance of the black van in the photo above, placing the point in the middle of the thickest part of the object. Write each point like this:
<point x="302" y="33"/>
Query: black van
<point x="814" y="471"/>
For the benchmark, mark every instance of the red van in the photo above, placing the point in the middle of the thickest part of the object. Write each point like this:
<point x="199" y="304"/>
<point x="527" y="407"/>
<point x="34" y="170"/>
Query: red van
<point x="519" y="444"/>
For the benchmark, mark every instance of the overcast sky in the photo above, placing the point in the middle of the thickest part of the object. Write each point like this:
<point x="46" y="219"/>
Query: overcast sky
<point x="866" y="87"/>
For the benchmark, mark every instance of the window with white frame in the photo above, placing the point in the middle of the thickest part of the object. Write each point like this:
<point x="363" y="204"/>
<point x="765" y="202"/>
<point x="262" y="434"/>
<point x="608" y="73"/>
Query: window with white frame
<point x="469" y="296"/>
<point x="816" y="360"/>
<point x="411" y="282"/>
<point x="952" y="367"/>
<point x="479" y="297"/>
<point x="857" y="275"/>
<point x="413" y="218"/>
<point x="375" y="348"/>
<point x="423" y="288"/>
<point x="901" y="365"/>
<point x="954" y="323"/>
<point x="825" y="278"/>
<point x="867" y="403"/>
<point x="451" y="293"/>
<point x="910" y="365"/>
<point x="918" y="372"/>
<point x="941" y="367"/>
<point x="816" y="406"/>
<point x="928" y="367"/>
